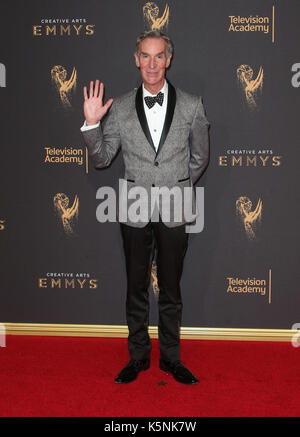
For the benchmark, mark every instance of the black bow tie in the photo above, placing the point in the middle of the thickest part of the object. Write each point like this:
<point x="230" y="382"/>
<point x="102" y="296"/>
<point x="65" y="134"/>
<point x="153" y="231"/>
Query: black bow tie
<point x="150" y="101"/>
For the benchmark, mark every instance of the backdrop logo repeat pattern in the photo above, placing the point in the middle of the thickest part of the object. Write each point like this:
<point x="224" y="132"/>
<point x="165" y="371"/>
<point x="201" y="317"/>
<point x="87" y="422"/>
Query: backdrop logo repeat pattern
<point x="253" y="135"/>
<point x="243" y="157"/>
<point x="63" y="27"/>
<point x="63" y="155"/>
<point x="250" y="286"/>
<point x="255" y="24"/>
<point x="249" y="218"/>
<point x="68" y="280"/>
<point x="154" y="278"/>
<point x="152" y="18"/>
<point x="68" y="215"/>
<point x="251" y="23"/>
<point x="63" y="85"/>
<point x="251" y="86"/>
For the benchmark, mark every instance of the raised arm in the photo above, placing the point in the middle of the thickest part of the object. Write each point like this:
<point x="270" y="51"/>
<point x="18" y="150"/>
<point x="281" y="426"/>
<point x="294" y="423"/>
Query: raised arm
<point x="93" y="107"/>
<point x="102" y="142"/>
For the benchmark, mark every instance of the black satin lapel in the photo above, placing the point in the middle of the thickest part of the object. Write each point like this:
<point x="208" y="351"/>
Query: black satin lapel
<point x="142" y="116"/>
<point x="169" y="115"/>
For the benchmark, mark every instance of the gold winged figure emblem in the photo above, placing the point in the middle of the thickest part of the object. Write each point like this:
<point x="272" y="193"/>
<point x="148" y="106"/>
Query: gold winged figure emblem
<point x="64" y="85"/>
<point x="151" y="11"/>
<point x="67" y="215"/>
<point x="154" y="278"/>
<point x="250" y="85"/>
<point x="249" y="218"/>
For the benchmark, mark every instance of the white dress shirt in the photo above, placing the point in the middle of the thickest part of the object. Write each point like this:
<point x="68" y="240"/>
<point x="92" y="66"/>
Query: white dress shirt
<point x="155" y="116"/>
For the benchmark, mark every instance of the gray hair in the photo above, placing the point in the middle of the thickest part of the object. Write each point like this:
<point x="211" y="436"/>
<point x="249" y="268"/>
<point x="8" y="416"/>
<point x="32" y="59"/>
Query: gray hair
<point x="155" y="34"/>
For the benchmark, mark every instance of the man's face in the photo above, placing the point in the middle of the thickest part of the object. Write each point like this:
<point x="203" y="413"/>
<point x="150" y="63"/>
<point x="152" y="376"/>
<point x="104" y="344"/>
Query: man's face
<point x="152" y="61"/>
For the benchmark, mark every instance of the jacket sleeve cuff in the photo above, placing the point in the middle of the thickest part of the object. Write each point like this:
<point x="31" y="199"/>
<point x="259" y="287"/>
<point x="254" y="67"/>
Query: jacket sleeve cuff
<point x="84" y="127"/>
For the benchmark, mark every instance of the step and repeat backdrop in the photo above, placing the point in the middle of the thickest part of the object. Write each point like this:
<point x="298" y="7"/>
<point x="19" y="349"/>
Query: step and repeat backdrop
<point x="58" y="263"/>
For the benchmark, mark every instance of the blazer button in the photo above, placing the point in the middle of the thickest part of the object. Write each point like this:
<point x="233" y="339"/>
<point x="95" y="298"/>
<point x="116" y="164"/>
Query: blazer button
<point x="156" y="164"/>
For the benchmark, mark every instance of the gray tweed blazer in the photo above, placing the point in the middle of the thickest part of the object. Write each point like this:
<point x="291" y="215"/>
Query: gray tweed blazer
<point x="155" y="182"/>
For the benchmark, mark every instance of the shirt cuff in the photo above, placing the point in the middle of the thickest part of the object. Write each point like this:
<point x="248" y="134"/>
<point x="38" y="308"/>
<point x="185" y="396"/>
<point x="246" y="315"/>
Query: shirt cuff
<point x="84" y="127"/>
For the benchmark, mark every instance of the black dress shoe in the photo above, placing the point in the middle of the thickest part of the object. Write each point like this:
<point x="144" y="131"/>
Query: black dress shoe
<point x="131" y="371"/>
<point x="180" y="373"/>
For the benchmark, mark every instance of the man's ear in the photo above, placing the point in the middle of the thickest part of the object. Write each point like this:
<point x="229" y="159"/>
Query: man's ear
<point x="168" y="61"/>
<point x="137" y="60"/>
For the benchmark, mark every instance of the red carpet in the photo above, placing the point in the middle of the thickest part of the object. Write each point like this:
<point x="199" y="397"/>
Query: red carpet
<point x="68" y="376"/>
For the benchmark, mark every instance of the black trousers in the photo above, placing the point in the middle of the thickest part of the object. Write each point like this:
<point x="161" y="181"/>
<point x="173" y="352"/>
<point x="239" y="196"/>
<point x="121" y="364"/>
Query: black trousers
<point x="171" y="245"/>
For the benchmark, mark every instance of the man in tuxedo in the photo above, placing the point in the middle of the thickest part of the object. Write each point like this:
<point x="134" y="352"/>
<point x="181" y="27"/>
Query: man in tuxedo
<point x="163" y="134"/>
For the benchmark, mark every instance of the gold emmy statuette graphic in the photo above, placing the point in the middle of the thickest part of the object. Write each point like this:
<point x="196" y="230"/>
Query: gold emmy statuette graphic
<point x="154" y="278"/>
<point x="64" y="87"/>
<point x="67" y="215"/>
<point x="151" y="11"/>
<point x="248" y="217"/>
<point x="249" y="85"/>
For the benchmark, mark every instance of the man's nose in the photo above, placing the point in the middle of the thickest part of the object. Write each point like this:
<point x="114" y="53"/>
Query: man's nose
<point x="152" y="63"/>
